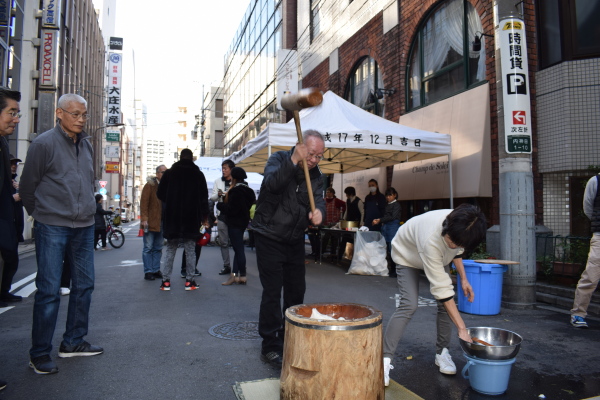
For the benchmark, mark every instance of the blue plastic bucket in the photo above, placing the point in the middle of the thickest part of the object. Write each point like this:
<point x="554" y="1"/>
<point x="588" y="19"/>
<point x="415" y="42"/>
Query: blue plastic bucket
<point x="486" y="281"/>
<point x="488" y="376"/>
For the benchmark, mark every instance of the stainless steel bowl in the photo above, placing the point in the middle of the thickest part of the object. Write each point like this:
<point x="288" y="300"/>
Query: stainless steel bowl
<point x="506" y="344"/>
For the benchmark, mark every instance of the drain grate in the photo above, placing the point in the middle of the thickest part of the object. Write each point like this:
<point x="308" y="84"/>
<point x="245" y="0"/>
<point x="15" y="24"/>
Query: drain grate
<point x="247" y="330"/>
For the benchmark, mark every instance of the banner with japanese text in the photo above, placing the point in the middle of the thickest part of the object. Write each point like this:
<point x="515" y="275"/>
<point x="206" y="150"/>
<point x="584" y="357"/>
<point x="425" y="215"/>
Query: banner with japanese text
<point x="515" y="78"/>
<point x="115" y="64"/>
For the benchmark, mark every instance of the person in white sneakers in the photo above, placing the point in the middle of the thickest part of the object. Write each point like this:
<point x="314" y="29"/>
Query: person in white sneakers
<point x="430" y="242"/>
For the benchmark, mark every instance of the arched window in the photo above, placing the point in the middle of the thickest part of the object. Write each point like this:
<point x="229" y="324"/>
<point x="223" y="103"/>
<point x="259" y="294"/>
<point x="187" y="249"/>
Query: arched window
<point x="362" y="86"/>
<point x="442" y="62"/>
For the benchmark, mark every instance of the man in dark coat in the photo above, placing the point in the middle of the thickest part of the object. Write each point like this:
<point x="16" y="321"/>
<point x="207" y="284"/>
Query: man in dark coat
<point x="282" y="215"/>
<point x="184" y="194"/>
<point x="9" y="118"/>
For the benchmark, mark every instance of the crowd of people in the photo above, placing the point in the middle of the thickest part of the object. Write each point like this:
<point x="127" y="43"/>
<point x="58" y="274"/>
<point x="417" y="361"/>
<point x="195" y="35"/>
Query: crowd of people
<point x="176" y="211"/>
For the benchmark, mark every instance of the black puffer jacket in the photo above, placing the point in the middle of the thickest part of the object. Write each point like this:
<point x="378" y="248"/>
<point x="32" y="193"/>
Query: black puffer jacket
<point x="282" y="207"/>
<point x="183" y="192"/>
<point x="237" y="208"/>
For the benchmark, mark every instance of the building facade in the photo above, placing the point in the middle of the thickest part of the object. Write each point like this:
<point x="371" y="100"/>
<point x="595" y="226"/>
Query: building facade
<point x="61" y="42"/>
<point x="433" y="65"/>
<point x="249" y="87"/>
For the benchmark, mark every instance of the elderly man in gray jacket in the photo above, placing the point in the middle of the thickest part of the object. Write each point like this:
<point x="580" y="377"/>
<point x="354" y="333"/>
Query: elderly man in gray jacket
<point x="57" y="189"/>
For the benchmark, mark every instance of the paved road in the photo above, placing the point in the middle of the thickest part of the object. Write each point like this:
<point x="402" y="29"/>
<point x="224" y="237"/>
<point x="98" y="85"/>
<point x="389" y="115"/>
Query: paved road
<point x="158" y="345"/>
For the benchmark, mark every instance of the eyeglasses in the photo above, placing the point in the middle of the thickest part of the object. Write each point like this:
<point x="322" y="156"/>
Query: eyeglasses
<point x="75" y="115"/>
<point x="315" y="156"/>
<point x="15" y="114"/>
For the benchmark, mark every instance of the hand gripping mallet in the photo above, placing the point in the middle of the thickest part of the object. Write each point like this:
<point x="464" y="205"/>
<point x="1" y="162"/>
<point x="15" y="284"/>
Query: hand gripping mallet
<point x="305" y="98"/>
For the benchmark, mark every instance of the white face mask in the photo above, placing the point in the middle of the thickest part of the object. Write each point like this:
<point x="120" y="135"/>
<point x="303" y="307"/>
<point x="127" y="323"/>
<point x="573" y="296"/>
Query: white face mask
<point x="372" y="189"/>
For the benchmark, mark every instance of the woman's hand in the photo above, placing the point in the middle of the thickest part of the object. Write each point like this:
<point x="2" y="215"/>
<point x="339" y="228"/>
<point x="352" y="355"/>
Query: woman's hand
<point x="376" y="221"/>
<point x="467" y="289"/>
<point x="464" y="335"/>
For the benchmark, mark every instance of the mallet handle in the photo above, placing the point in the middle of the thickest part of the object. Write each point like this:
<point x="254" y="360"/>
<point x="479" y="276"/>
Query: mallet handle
<point x="308" y="185"/>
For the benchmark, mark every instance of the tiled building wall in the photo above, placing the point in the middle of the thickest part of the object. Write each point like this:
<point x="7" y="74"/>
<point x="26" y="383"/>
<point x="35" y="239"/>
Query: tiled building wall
<point x="557" y="207"/>
<point x="568" y="107"/>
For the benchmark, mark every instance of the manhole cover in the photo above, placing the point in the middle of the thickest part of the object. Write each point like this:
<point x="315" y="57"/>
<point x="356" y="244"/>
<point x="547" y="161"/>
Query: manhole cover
<point x="236" y="331"/>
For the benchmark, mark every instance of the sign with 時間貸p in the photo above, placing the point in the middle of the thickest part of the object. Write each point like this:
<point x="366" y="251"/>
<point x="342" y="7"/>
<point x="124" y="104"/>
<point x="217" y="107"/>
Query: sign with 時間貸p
<point x="515" y="79"/>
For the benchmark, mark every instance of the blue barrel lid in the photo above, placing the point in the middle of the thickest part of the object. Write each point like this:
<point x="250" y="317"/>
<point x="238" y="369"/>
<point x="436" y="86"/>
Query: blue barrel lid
<point x="494" y="268"/>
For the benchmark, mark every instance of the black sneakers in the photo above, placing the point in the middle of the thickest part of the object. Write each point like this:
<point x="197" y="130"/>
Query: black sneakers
<point x="165" y="285"/>
<point x="83" y="349"/>
<point x="149" y="276"/>
<point x="43" y="365"/>
<point x="158" y="274"/>
<point x="11" y="298"/>
<point x="272" y="358"/>
<point x="190" y="284"/>
<point x="226" y="270"/>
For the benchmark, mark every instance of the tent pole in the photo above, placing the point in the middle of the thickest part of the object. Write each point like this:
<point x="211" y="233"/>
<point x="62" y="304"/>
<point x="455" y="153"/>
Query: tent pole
<point x="450" y="180"/>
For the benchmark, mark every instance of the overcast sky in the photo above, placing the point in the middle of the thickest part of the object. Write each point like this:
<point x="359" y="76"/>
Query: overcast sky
<point x="179" y="45"/>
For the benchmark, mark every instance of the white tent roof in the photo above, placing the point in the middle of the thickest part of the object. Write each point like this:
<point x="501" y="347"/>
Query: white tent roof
<point x="354" y="139"/>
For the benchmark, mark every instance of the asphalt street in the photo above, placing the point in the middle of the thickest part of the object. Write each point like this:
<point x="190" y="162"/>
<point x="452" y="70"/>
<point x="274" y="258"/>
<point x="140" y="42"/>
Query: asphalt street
<point x="180" y="344"/>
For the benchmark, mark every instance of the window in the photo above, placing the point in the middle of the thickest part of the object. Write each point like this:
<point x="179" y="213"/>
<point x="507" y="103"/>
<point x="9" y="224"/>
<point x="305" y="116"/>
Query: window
<point x="218" y="108"/>
<point x="315" y="19"/>
<point x="441" y="61"/>
<point x="218" y="139"/>
<point x="363" y="85"/>
<point x="568" y="30"/>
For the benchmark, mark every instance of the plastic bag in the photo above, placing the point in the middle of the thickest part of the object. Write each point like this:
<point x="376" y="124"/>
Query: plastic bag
<point x="369" y="255"/>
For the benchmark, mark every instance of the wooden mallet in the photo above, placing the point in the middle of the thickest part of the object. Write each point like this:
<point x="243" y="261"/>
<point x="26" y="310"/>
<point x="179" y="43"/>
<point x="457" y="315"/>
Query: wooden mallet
<point x="305" y="98"/>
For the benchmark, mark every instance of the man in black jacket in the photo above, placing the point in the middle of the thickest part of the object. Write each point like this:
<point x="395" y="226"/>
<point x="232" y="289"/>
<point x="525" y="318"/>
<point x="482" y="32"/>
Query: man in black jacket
<point x="184" y="194"/>
<point x="282" y="215"/>
<point x="9" y="118"/>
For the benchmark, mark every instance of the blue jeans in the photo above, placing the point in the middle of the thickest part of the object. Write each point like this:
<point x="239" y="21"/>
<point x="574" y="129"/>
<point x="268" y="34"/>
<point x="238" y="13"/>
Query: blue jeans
<point x="153" y="244"/>
<point x="53" y="244"/>
<point x="236" y="236"/>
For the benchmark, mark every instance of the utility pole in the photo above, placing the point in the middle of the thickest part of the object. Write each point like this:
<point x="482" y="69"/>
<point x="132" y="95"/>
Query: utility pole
<point x="516" y="200"/>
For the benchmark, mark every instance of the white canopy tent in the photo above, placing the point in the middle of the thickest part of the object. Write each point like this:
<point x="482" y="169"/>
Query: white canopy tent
<point x="354" y="139"/>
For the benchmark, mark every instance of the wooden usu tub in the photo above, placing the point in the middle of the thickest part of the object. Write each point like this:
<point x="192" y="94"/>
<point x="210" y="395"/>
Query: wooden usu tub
<point x="332" y="359"/>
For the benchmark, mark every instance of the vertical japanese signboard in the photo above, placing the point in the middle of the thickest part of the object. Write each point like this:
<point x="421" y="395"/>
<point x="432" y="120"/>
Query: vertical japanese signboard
<point x="515" y="77"/>
<point x="115" y="63"/>
<point x="51" y="14"/>
<point x="49" y="58"/>
<point x="287" y="73"/>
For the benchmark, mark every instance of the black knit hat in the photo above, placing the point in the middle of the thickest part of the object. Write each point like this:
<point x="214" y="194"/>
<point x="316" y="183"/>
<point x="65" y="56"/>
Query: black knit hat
<point x="238" y="174"/>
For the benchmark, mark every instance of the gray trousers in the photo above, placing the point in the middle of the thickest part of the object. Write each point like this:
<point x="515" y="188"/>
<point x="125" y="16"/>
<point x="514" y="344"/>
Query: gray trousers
<point x="189" y="245"/>
<point x="223" y="235"/>
<point x="408" y="285"/>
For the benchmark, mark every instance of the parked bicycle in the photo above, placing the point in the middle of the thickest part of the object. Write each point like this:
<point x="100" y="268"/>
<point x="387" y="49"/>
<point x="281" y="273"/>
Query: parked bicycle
<point x="115" y="236"/>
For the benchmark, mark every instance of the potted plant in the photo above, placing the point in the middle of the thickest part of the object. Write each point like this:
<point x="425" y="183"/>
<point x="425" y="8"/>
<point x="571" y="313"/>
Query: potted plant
<point x="571" y="258"/>
<point x="544" y="266"/>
